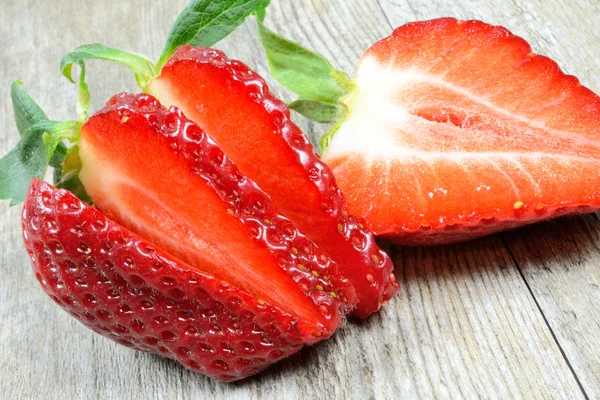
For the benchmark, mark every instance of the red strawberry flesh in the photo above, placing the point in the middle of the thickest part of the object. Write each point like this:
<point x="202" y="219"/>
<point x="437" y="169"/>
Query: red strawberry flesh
<point x="158" y="174"/>
<point x="130" y="291"/>
<point x="457" y="130"/>
<point x="234" y="106"/>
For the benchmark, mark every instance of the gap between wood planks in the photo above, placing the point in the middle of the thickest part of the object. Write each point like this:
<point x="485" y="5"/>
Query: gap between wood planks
<point x="562" y="352"/>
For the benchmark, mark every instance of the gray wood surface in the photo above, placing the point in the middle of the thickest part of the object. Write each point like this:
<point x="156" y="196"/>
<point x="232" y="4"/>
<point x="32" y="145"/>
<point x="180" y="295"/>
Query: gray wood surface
<point x="515" y="315"/>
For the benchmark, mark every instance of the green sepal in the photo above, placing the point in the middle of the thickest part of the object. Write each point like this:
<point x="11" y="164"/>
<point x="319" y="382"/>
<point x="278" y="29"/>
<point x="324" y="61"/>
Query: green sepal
<point x="326" y="138"/>
<point x="205" y="22"/>
<point x="83" y="95"/>
<point x="27" y="113"/>
<point x="319" y="111"/>
<point x="54" y="132"/>
<point x="27" y="160"/>
<point x="261" y="9"/>
<point x="301" y="70"/>
<point x="59" y="156"/>
<point x="142" y="67"/>
<point x="25" y="109"/>
<point x="69" y="178"/>
<point x="32" y="156"/>
<point x="41" y="145"/>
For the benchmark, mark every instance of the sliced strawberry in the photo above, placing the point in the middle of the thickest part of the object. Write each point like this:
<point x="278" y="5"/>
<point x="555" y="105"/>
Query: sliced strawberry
<point x="158" y="174"/>
<point x="131" y="291"/>
<point x="225" y="285"/>
<point x="234" y="106"/>
<point x="456" y="130"/>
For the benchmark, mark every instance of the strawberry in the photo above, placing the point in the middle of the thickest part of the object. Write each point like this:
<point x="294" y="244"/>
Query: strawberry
<point x="234" y="106"/>
<point x="456" y="129"/>
<point x="158" y="174"/>
<point x="131" y="291"/>
<point x="161" y="176"/>
<point x="182" y="254"/>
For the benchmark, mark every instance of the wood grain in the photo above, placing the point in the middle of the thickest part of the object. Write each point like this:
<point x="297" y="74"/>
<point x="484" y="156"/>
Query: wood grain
<point x="509" y="316"/>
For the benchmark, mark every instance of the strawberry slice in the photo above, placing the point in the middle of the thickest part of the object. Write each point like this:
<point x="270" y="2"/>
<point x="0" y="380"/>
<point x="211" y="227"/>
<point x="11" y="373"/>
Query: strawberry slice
<point x="131" y="291"/>
<point x="234" y="106"/>
<point x="456" y="130"/>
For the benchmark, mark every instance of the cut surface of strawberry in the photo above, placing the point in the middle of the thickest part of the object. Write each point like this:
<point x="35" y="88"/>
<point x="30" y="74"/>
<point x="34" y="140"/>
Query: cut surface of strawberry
<point x="456" y="129"/>
<point x="159" y="175"/>
<point x="131" y="291"/>
<point x="234" y="106"/>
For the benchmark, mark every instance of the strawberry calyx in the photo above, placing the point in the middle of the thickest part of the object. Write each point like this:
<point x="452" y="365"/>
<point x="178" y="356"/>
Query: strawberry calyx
<point x="321" y="87"/>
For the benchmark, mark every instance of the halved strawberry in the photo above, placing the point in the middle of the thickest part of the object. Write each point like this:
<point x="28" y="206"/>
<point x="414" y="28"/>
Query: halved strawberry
<point x="131" y="291"/>
<point x="456" y="129"/>
<point x="234" y="106"/>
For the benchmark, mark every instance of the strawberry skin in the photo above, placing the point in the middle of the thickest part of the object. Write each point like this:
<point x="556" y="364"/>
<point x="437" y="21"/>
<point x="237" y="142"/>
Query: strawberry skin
<point x="456" y="129"/>
<point x="130" y="291"/>
<point x="234" y="106"/>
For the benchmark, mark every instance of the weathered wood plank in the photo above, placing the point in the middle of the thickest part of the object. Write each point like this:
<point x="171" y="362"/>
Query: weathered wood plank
<point x="464" y="326"/>
<point x="558" y="260"/>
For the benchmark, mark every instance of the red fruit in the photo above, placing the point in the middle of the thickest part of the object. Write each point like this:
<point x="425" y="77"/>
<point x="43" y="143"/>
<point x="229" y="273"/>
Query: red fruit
<point x="158" y="174"/>
<point x="456" y="130"/>
<point x="234" y="106"/>
<point x="131" y="291"/>
<point x="220" y="262"/>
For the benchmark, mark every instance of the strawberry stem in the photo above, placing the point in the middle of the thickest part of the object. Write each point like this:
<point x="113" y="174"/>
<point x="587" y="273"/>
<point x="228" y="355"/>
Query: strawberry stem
<point x="143" y="68"/>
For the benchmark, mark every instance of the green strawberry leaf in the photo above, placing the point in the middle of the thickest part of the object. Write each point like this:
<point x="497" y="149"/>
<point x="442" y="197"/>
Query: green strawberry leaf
<point x="142" y="67"/>
<point x="59" y="156"/>
<point x="29" y="159"/>
<point x="319" y="111"/>
<point x="36" y="150"/>
<point x="26" y="111"/>
<point x="301" y="70"/>
<point x="326" y="138"/>
<point x="54" y="132"/>
<point x="261" y="9"/>
<point x="69" y="178"/>
<point x="205" y="22"/>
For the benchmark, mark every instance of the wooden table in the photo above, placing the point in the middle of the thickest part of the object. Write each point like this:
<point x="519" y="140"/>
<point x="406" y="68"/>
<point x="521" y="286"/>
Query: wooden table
<point x="515" y="315"/>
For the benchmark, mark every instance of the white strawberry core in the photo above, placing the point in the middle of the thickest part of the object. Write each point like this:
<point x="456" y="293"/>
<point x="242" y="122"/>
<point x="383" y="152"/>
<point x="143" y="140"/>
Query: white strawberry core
<point x="383" y="124"/>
